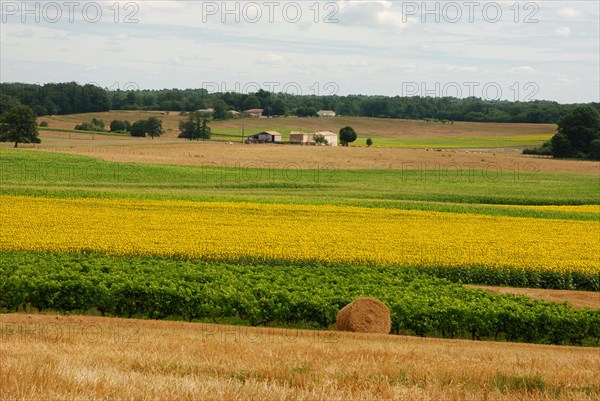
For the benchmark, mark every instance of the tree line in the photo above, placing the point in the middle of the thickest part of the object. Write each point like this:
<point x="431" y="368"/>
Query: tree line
<point x="69" y="98"/>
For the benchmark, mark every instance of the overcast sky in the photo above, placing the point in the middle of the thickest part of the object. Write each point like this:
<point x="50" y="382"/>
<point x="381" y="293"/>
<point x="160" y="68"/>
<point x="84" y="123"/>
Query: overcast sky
<point x="511" y="50"/>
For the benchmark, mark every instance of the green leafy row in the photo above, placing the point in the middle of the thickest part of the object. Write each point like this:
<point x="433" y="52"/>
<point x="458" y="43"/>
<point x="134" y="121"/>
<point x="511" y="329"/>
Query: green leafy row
<point x="515" y="277"/>
<point x="255" y="294"/>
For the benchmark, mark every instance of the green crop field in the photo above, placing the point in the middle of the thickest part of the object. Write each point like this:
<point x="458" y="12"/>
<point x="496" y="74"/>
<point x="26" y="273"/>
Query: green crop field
<point x="444" y="189"/>
<point x="89" y="282"/>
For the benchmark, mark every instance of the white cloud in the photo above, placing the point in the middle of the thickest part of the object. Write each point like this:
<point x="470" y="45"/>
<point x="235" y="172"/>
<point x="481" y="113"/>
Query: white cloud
<point x="563" y="31"/>
<point x="524" y="69"/>
<point x="354" y="63"/>
<point x="566" y="81"/>
<point x="569" y="12"/>
<point x="272" y="59"/>
<point x="59" y="36"/>
<point x="25" y="33"/>
<point x="372" y="14"/>
<point x="454" y="68"/>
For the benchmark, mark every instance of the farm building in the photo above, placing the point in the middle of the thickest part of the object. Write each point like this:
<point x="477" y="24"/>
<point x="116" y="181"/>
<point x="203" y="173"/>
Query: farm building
<point x="206" y="111"/>
<point x="330" y="137"/>
<point x="265" y="137"/>
<point x="326" y="113"/>
<point x="255" y="113"/>
<point x="299" y="137"/>
<point x="305" y="138"/>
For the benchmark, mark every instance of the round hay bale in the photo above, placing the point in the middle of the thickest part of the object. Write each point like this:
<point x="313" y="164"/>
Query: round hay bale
<point x="342" y="321"/>
<point x="364" y="315"/>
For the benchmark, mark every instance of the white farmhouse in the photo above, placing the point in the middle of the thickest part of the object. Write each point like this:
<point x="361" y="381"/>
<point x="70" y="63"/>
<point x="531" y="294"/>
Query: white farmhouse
<point x="326" y="113"/>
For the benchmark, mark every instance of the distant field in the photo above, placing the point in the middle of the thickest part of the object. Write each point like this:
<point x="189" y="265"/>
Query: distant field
<point x="453" y="189"/>
<point x="385" y="132"/>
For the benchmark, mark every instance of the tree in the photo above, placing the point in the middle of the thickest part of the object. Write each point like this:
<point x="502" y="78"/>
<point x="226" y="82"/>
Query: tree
<point x="306" y="111"/>
<point x="595" y="150"/>
<point x="581" y="126"/>
<point x="120" y="125"/>
<point x="138" y="128"/>
<point x="347" y="135"/>
<point x="278" y="108"/>
<point x="7" y="103"/>
<point x="205" y="129"/>
<point x="154" y="127"/>
<point x="19" y="125"/>
<point x="561" y="146"/>
<point x="320" y="139"/>
<point x="369" y="142"/>
<point x="220" y="110"/>
<point x="195" y="127"/>
<point x="252" y="102"/>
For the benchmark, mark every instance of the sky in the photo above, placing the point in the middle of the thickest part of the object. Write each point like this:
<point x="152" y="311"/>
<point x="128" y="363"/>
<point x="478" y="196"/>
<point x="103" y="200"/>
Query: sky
<point x="515" y="50"/>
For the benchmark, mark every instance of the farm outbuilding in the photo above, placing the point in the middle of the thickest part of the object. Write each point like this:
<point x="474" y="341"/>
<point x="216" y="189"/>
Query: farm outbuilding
<point x="305" y="138"/>
<point x="299" y="137"/>
<point x="265" y="137"/>
<point x="326" y="113"/>
<point x="254" y="113"/>
<point x="330" y="137"/>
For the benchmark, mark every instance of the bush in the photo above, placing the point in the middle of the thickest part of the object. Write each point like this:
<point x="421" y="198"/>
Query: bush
<point x="320" y="139"/>
<point x="44" y="124"/>
<point x="120" y="125"/>
<point x="369" y="142"/>
<point x="544" y="150"/>
<point x="95" y="125"/>
<point x="138" y="128"/>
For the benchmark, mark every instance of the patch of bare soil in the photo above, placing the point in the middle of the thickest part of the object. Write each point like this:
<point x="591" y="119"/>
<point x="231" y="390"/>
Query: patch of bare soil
<point x="579" y="299"/>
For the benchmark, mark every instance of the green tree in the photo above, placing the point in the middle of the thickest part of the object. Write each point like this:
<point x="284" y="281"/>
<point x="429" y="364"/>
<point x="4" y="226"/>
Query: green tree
<point x="120" y="125"/>
<point x="347" y="135"/>
<point x="595" y="149"/>
<point x="581" y="126"/>
<point x="369" y="142"/>
<point x="561" y="146"/>
<point x="195" y="127"/>
<point x="306" y="111"/>
<point x="278" y="108"/>
<point x="221" y="110"/>
<point x="7" y="103"/>
<point x="252" y="102"/>
<point x="138" y="128"/>
<point x="154" y="127"/>
<point x="19" y="125"/>
<point x="320" y="139"/>
<point x="205" y="132"/>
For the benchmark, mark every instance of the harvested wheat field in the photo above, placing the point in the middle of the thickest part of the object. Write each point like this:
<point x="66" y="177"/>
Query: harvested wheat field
<point x="181" y="152"/>
<point x="368" y="126"/>
<point x="93" y="358"/>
